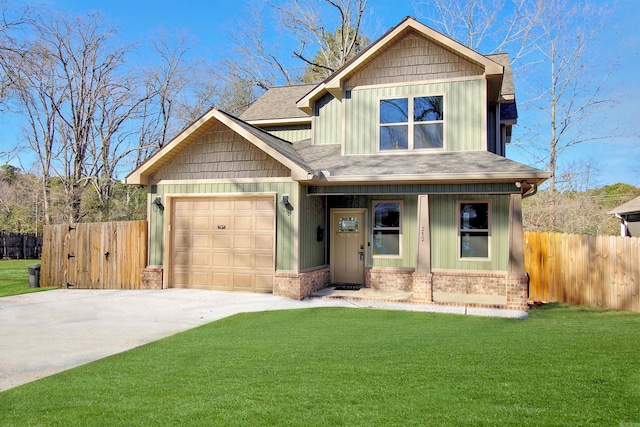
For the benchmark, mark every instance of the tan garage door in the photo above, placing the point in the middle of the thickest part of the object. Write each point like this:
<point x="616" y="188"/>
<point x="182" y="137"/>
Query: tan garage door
<point x="223" y="243"/>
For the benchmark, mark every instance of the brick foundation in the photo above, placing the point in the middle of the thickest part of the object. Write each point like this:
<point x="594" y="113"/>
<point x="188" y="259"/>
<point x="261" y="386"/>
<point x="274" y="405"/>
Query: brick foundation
<point x="299" y="286"/>
<point x="470" y="283"/>
<point x="517" y="292"/>
<point x="151" y="278"/>
<point x="391" y="279"/>
<point x="422" y="287"/>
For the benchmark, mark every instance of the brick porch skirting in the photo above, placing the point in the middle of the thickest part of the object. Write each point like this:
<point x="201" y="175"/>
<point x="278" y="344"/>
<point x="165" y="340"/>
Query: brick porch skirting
<point x="389" y="279"/>
<point x="151" y="277"/>
<point x="299" y="286"/>
<point x="455" y="288"/>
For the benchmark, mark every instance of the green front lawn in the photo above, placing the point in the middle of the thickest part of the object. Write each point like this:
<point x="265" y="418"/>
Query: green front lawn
<point x="14" y="277"/>
<point x="333" y="366"/>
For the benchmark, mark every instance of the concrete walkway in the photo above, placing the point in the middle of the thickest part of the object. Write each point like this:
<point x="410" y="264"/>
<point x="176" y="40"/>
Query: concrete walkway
<point x="48" y="332"/>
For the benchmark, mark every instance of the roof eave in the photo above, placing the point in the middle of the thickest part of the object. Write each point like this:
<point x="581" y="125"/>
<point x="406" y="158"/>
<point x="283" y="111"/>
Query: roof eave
<point x="532" y="177"/>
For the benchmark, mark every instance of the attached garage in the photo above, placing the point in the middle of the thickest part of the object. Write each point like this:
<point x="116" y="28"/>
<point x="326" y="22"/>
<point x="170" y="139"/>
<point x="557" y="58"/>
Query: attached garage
<point x="222" y="242"/>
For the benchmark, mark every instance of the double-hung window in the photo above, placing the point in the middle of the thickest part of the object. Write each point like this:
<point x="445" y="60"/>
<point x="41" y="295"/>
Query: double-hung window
<point x="411" y="123"/>
<point x="474" y="229"/>
<point x="387" y="221"/>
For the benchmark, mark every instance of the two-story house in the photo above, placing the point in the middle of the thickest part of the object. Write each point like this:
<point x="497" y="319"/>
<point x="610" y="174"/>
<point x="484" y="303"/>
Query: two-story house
<point x="389" y="174"/>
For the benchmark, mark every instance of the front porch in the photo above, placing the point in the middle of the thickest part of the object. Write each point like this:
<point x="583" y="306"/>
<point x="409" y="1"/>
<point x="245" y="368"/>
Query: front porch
<point x="403" y="300"/>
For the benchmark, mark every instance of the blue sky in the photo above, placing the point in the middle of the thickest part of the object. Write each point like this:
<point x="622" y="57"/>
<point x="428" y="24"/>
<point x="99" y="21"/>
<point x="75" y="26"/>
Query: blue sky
<point x="618" y="158"/>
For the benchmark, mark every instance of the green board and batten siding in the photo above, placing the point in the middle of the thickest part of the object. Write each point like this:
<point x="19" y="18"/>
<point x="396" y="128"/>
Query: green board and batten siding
<point x="312" y="216"/>
<point x="444" y="233"/>
<point x="464" y="115"/>
<point x="327" y="125"/>
<point x="290" y="133"/>
<point x="285" y="222"/>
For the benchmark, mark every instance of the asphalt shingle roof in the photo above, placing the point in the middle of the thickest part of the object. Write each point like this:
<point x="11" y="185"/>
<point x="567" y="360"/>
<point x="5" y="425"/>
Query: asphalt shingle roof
<point x="453" y="165"/>
<point x="278" y="103"/>
<point x="631" y="206"/>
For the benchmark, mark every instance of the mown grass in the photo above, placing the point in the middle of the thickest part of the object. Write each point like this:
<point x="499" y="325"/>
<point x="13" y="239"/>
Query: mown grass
<point x="14" y="277"/>
<point x="562" y="366"/>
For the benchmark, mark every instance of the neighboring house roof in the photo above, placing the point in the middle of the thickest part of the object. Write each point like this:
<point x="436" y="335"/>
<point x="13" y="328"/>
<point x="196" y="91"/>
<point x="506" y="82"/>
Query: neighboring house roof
<point x="329" y="165"/>
<point x="334" y="83"/>
<point x="277" y="148"/>
<point x="278" y="105"/>
<point x="632" y="206"/>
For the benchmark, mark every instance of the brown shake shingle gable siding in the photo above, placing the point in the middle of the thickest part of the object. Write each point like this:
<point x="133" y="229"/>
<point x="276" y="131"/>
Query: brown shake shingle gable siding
<point x="281" y="146"/>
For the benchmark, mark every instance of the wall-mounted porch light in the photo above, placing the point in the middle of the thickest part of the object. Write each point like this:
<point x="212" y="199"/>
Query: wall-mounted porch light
<point x="157" y="204"/>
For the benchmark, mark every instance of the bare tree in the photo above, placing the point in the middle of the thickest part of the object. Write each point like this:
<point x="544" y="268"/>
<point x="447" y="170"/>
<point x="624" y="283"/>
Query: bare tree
<point x="551" y="39"/>
<point x="573" y="92"/>
<point x="323" y="45"/>
<point x="325" y="33"/>
<point x="254" y="57"/>
<point x="12" y="22"/>
<point x="179" y="89"/>
<point x="490" y="26"/>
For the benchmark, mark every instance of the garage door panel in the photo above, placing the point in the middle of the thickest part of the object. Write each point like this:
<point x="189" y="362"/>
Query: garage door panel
<point x="201" y="205"/>
<point x="242" y="281"/>
<point x="200" y="278"/>
<point x="264" y="223"/>
<point x="264" y="242"/>
<point x="180" y="278"/>
<point x="221" y="204"/>
<point x="183" y="241"/>
<point x="243" y="260"/>
<point x="200" y="241"/>
<point x="242" y="204"/>
<point x="222" y="222"/>
<point x="201" y="224"/>
<point x="200" y="259"/>
<point x="221" y="260"/>
<point x="243" y="241"/>
<point x="181" y="258"/>
<point x="182" y="223"/>
<point x="264" y="282"/>
<point x="264" y="205"/>
<point x="182" y="207"/>
<point x="224" y="243"/>
<point x="263" y="260"/>
<point x="243" y="223"/>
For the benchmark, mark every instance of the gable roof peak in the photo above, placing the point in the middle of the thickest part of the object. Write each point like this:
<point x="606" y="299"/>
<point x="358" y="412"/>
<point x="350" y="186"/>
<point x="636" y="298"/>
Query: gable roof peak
<point x="334" y="83"/>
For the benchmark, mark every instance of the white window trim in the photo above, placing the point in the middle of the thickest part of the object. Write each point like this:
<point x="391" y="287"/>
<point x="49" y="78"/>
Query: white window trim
<point x="459" y="233"/>
<point x="410" y="123"/>
<point x="373" y="229"/>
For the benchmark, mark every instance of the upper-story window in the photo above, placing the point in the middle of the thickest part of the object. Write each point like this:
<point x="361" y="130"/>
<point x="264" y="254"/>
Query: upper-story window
<point x="412" y="123"/>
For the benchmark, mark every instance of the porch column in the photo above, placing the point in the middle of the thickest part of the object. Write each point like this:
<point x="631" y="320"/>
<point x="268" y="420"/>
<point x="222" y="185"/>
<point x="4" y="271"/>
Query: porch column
<point x="422" y="277"/>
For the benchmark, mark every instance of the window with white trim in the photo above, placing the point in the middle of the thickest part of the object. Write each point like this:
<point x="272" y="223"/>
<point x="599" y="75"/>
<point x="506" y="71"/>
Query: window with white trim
<point x="411" y="123"/>
<point x="387" y="231"/>
<point x="474" y="219"/>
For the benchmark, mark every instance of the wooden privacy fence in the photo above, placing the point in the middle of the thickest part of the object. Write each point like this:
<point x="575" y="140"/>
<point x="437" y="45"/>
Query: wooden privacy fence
<point x="20" y="245"/>
<point x="107" y="255"/>
<point x="599" y="271"/>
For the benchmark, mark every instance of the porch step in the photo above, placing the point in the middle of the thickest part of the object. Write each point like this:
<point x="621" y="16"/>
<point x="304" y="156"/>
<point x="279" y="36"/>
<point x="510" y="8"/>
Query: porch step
<point x="363" y="294"/>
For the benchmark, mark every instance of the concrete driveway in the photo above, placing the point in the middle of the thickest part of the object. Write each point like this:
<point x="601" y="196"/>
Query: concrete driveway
<point x="48" y="332"/>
